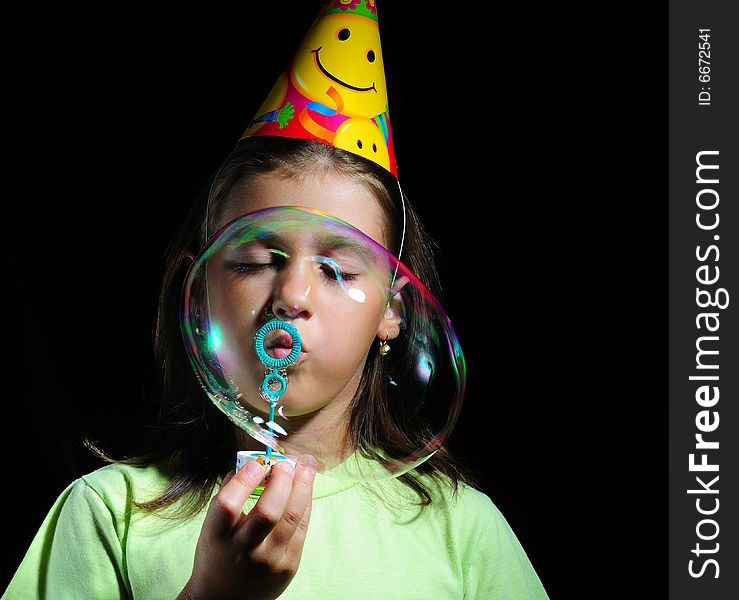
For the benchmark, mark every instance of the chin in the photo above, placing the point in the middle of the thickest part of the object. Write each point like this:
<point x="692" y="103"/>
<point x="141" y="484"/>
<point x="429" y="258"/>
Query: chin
<point x="300" y="409"/>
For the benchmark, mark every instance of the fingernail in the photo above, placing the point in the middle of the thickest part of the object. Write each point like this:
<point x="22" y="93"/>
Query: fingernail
<point x="285" y="465"/>
<point x="254" y="469"/>
<point x="309" y="462"/>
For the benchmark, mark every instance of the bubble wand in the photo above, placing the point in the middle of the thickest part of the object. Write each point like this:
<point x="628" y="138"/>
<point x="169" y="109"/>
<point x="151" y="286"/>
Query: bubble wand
<point x="274" y="383"/>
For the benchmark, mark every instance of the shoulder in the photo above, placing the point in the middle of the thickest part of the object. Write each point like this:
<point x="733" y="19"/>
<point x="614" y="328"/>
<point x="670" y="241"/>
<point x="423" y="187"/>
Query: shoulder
<point x="462" y="512"/>
<point x="118" y="474"/>
<point x="118" y="485"/>
<point x="467" y="511"/>
<point x="474" y="504"/>
<point x="467" y="515"/>
<point x="482" y="517"/>
<point x="470" y="499"/>
<point x="465" y="499"/>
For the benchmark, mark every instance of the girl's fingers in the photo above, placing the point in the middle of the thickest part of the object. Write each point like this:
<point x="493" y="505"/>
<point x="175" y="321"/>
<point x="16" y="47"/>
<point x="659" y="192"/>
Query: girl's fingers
<point x="294" y="548"/>
<point x="268" y="510"/>
<point x="225" y="509"/>
<point x="292" y="519"/>
<point x="228" y="477"/>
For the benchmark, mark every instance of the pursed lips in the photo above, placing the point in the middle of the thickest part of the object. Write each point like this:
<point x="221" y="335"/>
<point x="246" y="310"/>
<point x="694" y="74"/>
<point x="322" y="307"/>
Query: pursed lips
<point x="281" y="344"/>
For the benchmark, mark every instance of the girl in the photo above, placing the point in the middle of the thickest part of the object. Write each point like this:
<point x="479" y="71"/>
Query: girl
<point x="176" y="523"/>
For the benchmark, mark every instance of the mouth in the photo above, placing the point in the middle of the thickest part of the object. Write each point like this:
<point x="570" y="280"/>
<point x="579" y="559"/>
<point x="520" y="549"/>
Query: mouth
<point x="280" y="344"/>
<point x="336" y="79"/>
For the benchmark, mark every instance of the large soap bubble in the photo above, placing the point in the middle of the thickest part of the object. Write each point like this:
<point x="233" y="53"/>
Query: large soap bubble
<point x="315" y="339"/>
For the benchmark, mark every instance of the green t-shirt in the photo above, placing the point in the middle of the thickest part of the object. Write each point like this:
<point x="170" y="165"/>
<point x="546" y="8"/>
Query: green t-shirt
<point x="93" y="544"/>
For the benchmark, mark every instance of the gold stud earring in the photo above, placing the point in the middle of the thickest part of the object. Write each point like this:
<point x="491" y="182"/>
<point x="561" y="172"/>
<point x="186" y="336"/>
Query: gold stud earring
<point x="384" y="347"/>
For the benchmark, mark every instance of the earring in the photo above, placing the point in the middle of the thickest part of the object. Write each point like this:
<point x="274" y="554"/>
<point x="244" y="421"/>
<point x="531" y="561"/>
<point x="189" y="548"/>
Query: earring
<point x="384" y="347"/>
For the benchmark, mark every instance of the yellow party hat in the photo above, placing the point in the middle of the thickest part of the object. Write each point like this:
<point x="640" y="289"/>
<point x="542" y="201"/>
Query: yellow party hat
<point x="334" y="88"/>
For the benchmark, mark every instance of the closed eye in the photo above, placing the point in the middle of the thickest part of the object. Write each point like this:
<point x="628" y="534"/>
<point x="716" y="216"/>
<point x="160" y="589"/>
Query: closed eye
<point x="332" y="270"/>
<point x="252" y="267"/>
<point x="335" y="274"/>
<point x="250" y="259"/>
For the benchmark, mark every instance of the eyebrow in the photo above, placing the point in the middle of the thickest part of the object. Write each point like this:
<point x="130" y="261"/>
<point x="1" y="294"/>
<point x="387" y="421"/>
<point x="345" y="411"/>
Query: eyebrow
<point x="328" y="241"/>
<point x="340" y="242"/>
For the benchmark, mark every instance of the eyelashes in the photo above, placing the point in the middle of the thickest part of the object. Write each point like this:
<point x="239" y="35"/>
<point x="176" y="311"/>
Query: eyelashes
<point x="251" y="267"/>
<point x="337" y="275"/>
<point x="329" y="269"/>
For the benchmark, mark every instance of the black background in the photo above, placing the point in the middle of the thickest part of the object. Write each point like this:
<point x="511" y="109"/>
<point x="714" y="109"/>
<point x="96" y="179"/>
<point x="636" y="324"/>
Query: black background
<point x="531" y="141"/>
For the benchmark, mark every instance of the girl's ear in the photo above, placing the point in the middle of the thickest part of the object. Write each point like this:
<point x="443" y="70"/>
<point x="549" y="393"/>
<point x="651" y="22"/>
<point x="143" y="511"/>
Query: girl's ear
<point x="389" y="327"/>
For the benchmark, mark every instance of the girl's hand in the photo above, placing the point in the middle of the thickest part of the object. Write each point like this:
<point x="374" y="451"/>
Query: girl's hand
<point x="253" y="556"/>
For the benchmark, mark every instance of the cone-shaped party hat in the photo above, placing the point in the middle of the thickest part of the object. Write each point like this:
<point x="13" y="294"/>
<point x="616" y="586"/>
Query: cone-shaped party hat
<point x="334" y="89"/>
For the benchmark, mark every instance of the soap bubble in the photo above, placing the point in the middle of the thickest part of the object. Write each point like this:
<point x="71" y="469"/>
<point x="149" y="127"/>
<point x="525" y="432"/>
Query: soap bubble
<point x="304" y="331"/>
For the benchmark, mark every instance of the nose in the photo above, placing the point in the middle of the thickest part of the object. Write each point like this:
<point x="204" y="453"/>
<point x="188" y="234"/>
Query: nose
<point x="292" y="295"/>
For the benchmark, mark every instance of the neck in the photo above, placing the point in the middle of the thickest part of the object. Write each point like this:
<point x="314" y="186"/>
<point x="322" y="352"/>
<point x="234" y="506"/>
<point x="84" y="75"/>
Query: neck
<point x="323" y="433"/>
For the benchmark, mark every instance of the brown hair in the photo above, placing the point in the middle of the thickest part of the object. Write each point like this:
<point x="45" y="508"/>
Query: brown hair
<point x="193" y="441"/>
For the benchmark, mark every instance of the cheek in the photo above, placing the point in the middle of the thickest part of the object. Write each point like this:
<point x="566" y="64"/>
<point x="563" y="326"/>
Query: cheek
<point x="348" y="337"/>
<point x="234" y="294"/>
<point x="235" y="314"/>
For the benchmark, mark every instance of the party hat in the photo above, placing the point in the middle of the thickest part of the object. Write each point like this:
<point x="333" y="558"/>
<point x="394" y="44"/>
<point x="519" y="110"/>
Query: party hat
<point x="334" y="88"/>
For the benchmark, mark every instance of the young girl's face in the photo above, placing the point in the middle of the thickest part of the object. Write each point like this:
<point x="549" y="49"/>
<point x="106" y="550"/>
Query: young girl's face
<point x="336" y="332"/>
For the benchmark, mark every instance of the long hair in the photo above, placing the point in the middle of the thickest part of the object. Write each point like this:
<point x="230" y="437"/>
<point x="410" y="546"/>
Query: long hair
<point x="193" y="443"/>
